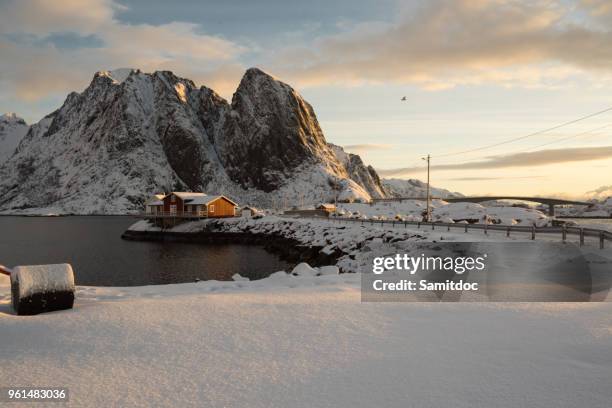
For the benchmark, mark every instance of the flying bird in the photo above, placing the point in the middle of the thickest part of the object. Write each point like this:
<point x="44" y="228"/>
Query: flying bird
<point x="403" y="98"/>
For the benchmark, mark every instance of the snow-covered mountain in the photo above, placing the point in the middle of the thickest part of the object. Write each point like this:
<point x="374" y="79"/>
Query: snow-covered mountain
<point x="414" y="188"/>
<point x="12" y="130"/>
<point x="130" y="134"/>
<point x="601" y="194"/>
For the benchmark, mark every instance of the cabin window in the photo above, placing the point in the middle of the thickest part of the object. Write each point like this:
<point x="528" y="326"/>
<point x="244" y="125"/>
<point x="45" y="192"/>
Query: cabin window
<point x="173" y="199"/>
<point x="211" y="208"/>
<point x="173" y="209"/>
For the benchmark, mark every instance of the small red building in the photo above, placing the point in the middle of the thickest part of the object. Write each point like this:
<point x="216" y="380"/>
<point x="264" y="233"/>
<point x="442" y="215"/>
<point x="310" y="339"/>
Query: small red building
<point x="192" y="205"/>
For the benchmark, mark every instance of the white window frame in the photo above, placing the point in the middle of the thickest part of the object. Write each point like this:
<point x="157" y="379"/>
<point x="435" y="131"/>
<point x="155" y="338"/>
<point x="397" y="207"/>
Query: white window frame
<point x="211" y="208"/>
<point x="173" y="209"/>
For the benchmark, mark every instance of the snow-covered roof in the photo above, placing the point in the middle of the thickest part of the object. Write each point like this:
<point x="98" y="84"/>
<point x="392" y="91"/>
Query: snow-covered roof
<point x="199" y="198"/>
<point x="193" y="198"/>
<point x="155" y="200"/>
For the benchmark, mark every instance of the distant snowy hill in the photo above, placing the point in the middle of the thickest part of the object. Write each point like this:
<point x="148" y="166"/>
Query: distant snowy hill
<point x="131" y="134"/>
<point x="414" y="188"/>
<point x="12" y="130"/>
<point x="602" y="193"/>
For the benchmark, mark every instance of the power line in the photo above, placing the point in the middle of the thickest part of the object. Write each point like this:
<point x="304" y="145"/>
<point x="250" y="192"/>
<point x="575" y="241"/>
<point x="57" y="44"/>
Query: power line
<point x="587" y="132"/>
<point x="525" y="136"/>
<point x="570" y="137"/>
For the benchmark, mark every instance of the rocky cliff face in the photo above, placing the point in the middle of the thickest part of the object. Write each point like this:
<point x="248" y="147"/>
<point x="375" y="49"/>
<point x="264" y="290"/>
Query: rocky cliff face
<point x="131" y="134"/>
<point x="12" y="130"/>
<point x="269" y="132"/>
<point x="357" y="171"/>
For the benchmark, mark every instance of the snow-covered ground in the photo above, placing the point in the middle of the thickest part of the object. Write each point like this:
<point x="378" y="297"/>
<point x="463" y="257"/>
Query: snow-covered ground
<point x="308" y="341"/>
<point x="602" y="207"/>
<point x="447" y="212"/>
<point x="292" y="341"/>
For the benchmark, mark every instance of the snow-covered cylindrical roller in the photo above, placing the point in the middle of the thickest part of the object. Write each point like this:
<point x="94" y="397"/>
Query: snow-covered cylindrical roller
<point x="42" y="288"/>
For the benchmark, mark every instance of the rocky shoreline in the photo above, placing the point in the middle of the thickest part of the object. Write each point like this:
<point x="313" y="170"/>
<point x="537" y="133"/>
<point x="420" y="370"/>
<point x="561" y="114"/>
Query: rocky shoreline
<point x="318" y="243"/>
<point x="288" y="249"/>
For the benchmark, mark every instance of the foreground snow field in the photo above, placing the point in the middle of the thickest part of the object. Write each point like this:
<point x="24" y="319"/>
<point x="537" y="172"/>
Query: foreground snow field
<point x="307" y="342"/>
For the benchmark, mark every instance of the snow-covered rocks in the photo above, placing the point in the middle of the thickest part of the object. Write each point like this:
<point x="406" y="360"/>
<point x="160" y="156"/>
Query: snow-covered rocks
<point x="238" y="278"/>
<point x="303" y="269"/>
<point x="442" y="211"/>
<point x="329" y="270"/>
<point x="42" y="288"/>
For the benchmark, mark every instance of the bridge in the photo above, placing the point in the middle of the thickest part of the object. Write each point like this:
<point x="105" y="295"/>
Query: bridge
<point x="551" y="202"/>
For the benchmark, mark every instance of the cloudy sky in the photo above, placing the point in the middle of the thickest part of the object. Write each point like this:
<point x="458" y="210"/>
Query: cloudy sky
<point x="475" y="74"/>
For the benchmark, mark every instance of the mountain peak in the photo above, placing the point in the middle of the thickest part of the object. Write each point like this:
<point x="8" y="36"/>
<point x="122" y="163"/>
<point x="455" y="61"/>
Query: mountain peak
<point x="12" y="130"/>
<point x="116" y="75"/>
<point x="11" y="117"/>
<point x="254" y="71"/>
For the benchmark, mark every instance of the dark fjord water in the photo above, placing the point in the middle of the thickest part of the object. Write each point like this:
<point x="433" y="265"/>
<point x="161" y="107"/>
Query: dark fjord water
<point x="99" y="256"/>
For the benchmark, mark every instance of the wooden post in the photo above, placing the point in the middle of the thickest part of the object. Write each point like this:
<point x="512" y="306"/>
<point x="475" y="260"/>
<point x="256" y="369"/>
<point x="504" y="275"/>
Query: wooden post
<point x="507" y="231"/>
<point x="448" y="227"/>
<point x="466" y="227"/>
<point x="486" y="228"/>
<point x="533" y="232"/>
<point x="418" y="225"/>
<point x="581" y="236"/>
<point x="433" y="226"/>
<point x="601" y="240"/>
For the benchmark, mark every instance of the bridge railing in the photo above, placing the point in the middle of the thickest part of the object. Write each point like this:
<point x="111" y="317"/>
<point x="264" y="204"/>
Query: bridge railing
<point x="563" y="231"/>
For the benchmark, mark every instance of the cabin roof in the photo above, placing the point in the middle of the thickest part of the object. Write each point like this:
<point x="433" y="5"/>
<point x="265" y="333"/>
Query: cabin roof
<point x="325" y="205"/>
<point x="188" y="195"/>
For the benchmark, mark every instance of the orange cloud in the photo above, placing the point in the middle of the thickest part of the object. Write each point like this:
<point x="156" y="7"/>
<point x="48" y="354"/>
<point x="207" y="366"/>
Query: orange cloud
<point x="459" y="42"/>
<point x="529" y="159"/>
<point x="32" y="72"/>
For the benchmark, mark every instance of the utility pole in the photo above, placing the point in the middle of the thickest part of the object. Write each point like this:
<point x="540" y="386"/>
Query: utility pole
<point x="428" y="216"/>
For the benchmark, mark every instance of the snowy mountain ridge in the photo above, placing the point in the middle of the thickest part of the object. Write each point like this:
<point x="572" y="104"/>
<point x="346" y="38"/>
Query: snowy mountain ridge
<point x="12" y="130"/>
<point x="414" y="188"/>
<point x="131" y="134"/>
